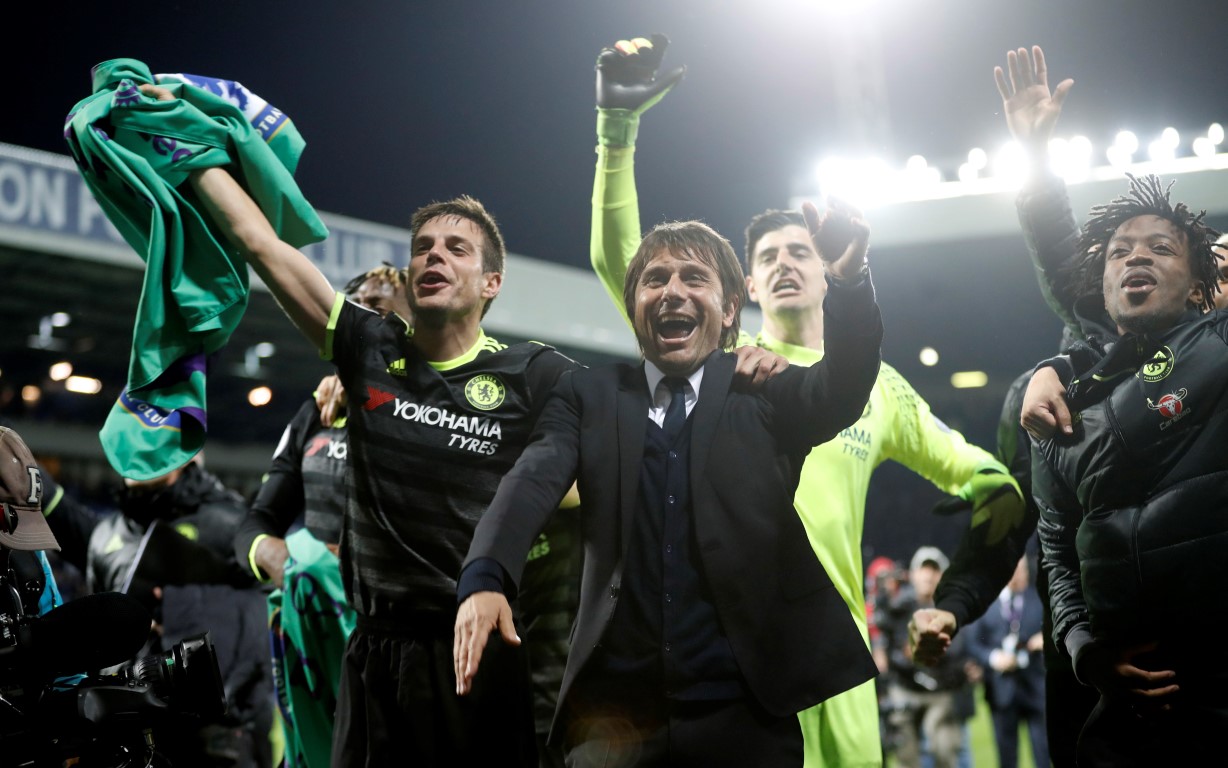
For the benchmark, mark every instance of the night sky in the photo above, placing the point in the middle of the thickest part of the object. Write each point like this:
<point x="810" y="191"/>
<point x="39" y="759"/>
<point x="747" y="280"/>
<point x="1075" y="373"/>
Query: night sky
<point x="402" y="103"/>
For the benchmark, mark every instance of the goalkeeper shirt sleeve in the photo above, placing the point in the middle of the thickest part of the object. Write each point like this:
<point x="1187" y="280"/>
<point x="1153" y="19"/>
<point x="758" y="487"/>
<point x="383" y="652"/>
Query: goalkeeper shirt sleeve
<point x="616" y="219"/>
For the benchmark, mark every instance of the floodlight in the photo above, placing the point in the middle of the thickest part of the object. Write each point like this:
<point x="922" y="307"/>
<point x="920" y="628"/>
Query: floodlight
<point x="1160" y="150"/>
<point x="1071" y="159"/>
<point x="1081" y="146"/>
<point x="861" y="181"/>
<point x="83" y="385"/>
<point x="969" y="379"/>
<point x="1118" y="157"/>
<point x="260" y="396"/>
<point x="1127" y="141"/>
<point x="1011" y="164"/>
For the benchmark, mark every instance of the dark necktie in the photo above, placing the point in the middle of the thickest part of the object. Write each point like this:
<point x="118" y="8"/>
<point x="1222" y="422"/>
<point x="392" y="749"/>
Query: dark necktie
<point x="675" y="415"/>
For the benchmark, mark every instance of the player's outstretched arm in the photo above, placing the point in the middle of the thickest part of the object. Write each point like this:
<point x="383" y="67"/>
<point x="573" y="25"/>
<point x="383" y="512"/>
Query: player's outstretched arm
<point x="480" y="614"/>
<point x="299" y="287"/>
<point x="841" y="236"/>
<point x="929" y="635"/>
<point x="628" y="83"/>
<point x="1030" y="108"/>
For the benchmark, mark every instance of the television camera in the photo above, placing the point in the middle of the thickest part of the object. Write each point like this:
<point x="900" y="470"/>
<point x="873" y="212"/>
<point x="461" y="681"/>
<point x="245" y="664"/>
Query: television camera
<point x="69" y="695"/>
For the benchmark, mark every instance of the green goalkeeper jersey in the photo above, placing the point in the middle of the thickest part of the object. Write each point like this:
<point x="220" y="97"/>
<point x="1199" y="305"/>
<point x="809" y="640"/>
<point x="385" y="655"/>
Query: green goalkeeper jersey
<point x="831" y="497"/>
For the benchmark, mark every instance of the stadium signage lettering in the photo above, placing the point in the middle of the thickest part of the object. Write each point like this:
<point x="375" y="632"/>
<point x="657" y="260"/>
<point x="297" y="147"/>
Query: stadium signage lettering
<point x="46" y="206"/>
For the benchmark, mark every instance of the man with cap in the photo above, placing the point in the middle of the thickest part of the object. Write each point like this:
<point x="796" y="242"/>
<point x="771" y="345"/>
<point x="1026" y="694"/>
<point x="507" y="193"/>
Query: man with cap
<point x="23" y="529"/>
<point x="924" y="700"/>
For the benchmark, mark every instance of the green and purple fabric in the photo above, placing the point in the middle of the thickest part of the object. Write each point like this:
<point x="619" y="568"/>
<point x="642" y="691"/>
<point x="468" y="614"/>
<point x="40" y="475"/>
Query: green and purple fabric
<point x="135" y="153"/>
<point x="309" y="625"/>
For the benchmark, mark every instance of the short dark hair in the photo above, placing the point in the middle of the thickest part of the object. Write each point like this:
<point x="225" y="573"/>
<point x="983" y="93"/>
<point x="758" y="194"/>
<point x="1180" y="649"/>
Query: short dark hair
<point x="494" y="252"/>
<point x="1148" y="196"/>
<point x="383" y="273"/>
<point x="768" y="221"/>
<point x="703" y="244"/>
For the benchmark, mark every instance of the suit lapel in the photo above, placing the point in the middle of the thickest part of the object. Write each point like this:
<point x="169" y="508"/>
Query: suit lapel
<point x="632" y="419"/>
<point x="718" y="375"/>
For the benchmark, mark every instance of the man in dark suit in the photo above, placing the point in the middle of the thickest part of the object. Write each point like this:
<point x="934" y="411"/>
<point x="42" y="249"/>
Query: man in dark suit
<point x="706" y="622"/>
<point x="1008" y="642"/>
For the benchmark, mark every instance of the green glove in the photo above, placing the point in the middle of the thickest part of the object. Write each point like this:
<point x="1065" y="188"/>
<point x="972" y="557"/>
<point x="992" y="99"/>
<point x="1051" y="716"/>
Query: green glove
<point x="627" y="85"/>
<point x="994" y="498"/>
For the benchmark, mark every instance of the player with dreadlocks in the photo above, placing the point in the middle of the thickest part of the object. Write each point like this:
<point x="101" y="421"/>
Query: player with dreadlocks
<point x="1045" y="409"/>
<point x="1148" y="196"/>
<point x="1053" y="238"/>
<point x="1134" y="500"/>
<point x="380" y="289"/>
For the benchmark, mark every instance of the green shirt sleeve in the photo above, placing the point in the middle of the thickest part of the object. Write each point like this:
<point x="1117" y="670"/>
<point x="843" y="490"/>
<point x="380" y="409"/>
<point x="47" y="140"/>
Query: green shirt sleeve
<point x="616" y="219"/>
<point x="920" y="441"/>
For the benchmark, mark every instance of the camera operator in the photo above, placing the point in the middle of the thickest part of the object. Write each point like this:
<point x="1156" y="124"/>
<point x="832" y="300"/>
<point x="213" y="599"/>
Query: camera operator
<point x="187" y="574"/>
<point x="24" y="532"/>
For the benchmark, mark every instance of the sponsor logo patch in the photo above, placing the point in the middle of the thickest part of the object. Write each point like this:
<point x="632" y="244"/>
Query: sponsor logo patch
<point x="1170" y="407"/>
<point x="485" y="392"/>
<point x="150" y="416"/>
<point x="376" y="398"/>
<point x="1158" y="367"/>
<point x="397" y="368"/>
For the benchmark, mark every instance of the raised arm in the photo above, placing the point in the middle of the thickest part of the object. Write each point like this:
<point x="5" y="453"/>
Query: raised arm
<point x="299" y="287"/>
<point x="1031" y="110"/>
<point x="1045" y="216"/>
<point x="980" y="568"/>
<point x="627" y="85"/>
<point x="832" y="393"/>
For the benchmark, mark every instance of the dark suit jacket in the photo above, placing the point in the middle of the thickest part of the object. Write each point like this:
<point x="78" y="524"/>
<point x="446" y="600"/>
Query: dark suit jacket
<point x="791" y="633"/>
<point x="1022" y="687"/>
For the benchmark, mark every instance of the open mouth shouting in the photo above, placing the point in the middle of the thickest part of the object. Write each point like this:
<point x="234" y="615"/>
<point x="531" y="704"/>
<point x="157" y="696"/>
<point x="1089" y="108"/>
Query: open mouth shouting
<point x="674" y="329"/>
<point x="786" y="285"/>
<point x="431" y="281"/>
<point x="1138" y="283"/>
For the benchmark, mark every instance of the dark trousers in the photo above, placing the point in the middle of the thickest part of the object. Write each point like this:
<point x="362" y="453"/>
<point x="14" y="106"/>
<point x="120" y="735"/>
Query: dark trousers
<point x="701" y="734"/>
<point x="1118" y="734"/>
<point x="397" y="704"/>
<point x="1006" y="734"/>
<point x="1068" y="703"/>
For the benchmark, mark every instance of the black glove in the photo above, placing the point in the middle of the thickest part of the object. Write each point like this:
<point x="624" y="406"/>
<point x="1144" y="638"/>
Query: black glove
<point x="994" y="497"/>
<point x="628" y="84"/>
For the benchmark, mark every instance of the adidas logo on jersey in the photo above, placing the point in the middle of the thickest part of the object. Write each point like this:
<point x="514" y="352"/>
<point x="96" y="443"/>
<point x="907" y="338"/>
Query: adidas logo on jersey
<point x="397" y="368"/>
